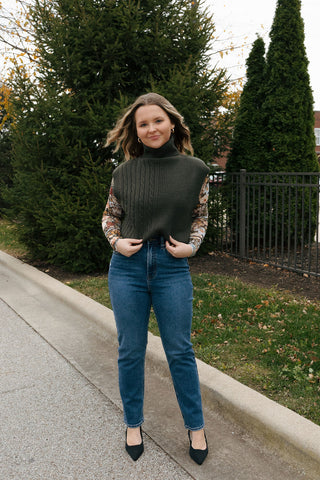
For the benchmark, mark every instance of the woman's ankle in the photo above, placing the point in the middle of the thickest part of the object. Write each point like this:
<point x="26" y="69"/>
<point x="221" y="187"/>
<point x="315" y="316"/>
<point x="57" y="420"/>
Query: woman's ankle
<point x="198" y="439"/>
<point x="134" y="436"/>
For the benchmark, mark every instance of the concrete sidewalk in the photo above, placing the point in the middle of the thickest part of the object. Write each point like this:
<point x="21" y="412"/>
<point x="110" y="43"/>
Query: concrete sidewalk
<point x="61" y="412"/>
<point x="55" y="424"/>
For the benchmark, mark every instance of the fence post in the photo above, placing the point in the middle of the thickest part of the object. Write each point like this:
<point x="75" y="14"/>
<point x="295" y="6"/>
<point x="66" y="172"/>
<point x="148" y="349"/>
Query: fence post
<point x="242" y="214"/>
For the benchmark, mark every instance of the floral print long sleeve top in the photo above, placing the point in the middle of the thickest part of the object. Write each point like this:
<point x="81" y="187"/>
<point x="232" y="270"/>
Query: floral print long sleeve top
<point x="113" y="214"/>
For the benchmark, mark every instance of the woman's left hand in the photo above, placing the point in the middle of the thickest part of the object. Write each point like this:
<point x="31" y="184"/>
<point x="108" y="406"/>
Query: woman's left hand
<point x="178" y="249"/>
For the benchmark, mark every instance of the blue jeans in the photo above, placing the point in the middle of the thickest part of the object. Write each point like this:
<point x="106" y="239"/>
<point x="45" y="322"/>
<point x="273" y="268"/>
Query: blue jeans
<point x="153" y="277"/>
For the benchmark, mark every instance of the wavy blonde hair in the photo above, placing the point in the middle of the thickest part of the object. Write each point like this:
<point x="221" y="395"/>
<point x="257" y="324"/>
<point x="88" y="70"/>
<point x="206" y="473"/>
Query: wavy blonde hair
<point x="124" y="134"/>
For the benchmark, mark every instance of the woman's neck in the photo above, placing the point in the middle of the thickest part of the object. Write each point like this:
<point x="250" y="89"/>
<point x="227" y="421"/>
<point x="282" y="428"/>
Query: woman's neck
<point x="166" y="150"/>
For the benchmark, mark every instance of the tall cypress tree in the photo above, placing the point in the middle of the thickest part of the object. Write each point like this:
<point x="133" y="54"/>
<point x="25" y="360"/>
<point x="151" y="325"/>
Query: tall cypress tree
<point x="247" y="141"/>
<point x="95" y="58"/>
<point x="288" y="105"/>
<point x="286" y="120"/>
<point x="288" y="110"/>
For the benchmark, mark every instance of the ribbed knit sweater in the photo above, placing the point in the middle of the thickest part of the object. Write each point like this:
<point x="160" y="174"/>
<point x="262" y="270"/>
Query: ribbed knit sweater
<point x="158" y="192"/>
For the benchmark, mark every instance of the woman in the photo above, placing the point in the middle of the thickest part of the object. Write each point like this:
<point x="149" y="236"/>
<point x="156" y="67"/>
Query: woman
<point x="156" y="217"/>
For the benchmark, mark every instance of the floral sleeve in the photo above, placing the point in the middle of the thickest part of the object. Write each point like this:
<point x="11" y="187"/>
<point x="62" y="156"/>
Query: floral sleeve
<point x="111" y="219"/>
<point x="200" y="218"/>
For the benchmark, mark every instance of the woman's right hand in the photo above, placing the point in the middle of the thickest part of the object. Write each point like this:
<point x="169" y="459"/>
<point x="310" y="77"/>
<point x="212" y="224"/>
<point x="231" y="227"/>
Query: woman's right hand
<point x="128" y="246"/>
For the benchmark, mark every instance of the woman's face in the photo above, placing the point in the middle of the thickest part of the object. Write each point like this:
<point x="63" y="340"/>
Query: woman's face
<point x="153" y="125"/>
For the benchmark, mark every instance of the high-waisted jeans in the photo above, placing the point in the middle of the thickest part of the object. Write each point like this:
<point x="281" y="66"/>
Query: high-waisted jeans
<point x="153" y="277"/>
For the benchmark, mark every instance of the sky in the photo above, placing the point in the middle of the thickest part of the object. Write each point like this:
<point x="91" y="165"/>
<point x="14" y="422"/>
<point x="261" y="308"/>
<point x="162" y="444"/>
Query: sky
<point x="241" y="21"/>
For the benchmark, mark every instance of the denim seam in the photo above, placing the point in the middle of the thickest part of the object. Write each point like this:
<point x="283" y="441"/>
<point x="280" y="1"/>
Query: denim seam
<point x="194" y="429"/>
<point x="135" y="425"/>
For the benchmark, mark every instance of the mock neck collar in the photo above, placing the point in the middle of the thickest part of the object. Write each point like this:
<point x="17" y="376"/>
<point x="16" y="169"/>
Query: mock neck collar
<point x="167" y="150"/>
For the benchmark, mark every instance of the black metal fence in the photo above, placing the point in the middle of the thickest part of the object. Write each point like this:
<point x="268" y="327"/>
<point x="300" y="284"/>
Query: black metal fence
<point x="269" y="218"/>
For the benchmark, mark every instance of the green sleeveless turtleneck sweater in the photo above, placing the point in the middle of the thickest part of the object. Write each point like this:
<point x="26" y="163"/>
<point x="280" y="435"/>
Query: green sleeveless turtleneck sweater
<point x="158" y="192"/>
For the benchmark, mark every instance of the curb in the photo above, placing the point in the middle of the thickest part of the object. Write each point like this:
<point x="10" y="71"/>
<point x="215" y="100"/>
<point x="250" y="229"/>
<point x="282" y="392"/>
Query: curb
<point x="294" y="437"/>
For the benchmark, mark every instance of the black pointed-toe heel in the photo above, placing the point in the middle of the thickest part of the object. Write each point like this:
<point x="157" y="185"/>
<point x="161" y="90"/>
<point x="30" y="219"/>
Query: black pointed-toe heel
<point x="198" y="455"/>
<point x="135" y="451"/>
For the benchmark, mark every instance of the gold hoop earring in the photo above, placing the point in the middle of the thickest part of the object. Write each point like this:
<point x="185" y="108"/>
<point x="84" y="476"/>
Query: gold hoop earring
<point x="139" y="141"/>
<point x="172" y="130"/>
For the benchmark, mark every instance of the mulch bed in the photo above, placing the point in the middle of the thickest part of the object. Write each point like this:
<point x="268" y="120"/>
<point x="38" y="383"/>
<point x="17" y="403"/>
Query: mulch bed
<point x="258" y="274"/>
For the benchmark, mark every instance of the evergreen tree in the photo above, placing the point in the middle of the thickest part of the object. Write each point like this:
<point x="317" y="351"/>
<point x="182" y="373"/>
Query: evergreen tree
<point x="5" y="164"/>
<point x="5" y="145"/>
<point x="288" y="110"/>
<point x="247" y="142"/>
<point x="95" y="58"/>
<point x="247" y="146"/>
<point x="116" y="51"/>
<point x="286" y="141"/>
<point x="288" y="105"/>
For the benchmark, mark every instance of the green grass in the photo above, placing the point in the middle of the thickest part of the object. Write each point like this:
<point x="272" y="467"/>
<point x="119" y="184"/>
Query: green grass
<point x="9" y="242"/>
<point x="266" y="339"/>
